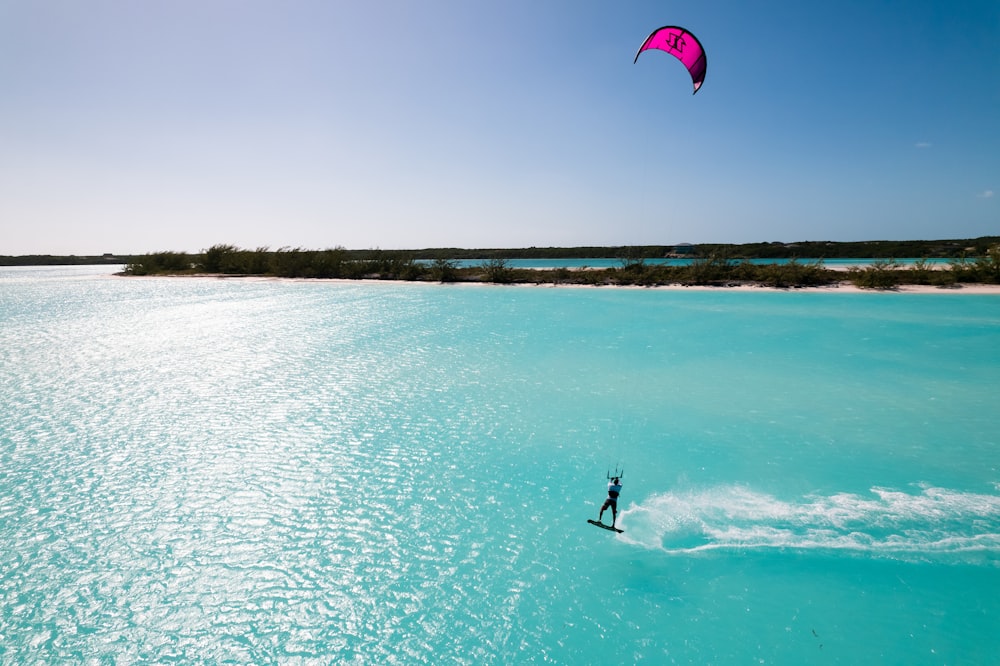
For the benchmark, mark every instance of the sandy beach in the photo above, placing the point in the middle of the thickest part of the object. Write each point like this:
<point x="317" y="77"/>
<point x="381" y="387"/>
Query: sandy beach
<point x="847" y="287"/>
<point x="840" y="287"/>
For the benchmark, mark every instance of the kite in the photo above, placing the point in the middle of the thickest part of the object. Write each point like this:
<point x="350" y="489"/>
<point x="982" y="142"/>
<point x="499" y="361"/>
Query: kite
<point x="681" y="44"/>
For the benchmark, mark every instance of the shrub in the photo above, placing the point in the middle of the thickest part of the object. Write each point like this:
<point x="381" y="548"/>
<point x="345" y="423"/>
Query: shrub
<point x="793" y="274"/>
<point x="408" y="269"/>
<point x="160" y="262"/>
<point x="215" y="256"/>
<point x="443" y="270"/>
<point x="920" y="272"/>
<point x="942" y="279"/>
<point x="498" y="271"/>
<point x="707" y="270"/>
<point x="561" y="275"/>
<point x="987" y="267"/>
<point x="878" y="275"/>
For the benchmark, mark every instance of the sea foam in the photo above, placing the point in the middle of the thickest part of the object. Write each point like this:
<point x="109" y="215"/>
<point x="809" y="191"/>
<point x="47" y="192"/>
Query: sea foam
<point x="920" y="523"/>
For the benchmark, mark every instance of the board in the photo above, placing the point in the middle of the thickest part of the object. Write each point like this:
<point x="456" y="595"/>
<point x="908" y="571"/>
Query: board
<point x="607" y="527"/>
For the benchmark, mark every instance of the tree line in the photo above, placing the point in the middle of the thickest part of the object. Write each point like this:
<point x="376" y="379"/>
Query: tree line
<point x="715" y="269"/>
<point x="877" y="249"/>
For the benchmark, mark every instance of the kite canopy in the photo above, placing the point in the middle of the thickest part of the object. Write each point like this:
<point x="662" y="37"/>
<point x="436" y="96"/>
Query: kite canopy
<point x="681" y="44"/>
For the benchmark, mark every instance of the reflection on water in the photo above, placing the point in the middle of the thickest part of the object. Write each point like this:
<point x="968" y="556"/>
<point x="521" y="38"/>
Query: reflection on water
<point x="207" y="470"/>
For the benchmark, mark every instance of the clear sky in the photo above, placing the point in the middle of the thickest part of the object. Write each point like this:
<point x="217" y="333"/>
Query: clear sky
<point x="132" y="127"/>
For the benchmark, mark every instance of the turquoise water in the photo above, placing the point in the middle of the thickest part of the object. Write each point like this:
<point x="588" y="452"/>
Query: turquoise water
<point x="615" y="263"/>
<point x="254" y="471"/>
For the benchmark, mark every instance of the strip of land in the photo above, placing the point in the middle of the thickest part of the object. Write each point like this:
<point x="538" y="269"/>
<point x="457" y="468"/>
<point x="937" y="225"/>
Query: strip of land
<point x="955" y="248"/>
<point x="713" y="270"/>
<point x="842" y="287"/>
<point x="965" y="264"/>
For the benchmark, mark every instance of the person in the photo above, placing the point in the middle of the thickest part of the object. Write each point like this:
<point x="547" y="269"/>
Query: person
<point x="614" y="489"/>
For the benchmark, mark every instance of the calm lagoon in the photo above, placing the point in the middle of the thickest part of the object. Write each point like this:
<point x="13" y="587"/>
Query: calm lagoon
<point x="258" y="471"/>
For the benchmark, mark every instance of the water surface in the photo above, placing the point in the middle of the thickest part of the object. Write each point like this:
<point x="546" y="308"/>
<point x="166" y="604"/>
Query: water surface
<point x="254" y="471"/>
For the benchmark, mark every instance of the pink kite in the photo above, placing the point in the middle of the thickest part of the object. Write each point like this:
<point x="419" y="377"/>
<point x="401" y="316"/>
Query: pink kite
<point x="681" y="44"/>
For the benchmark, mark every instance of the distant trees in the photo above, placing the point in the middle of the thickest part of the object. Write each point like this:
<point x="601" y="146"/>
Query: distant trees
<point x="907" y="249"/>
<point x="956" y="249"/>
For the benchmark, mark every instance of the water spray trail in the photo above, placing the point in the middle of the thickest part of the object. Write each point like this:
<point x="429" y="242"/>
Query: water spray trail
<point x="884" y="522"/>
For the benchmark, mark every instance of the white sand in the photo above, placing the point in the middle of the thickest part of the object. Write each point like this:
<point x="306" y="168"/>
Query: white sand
<point x="840" y="287"/>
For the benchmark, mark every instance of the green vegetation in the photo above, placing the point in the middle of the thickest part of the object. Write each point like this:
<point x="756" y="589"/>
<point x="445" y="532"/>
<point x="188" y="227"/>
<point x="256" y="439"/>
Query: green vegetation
<point x="444" y="270"/>
<point x="957" y="249"/>
<point x="791" y="274"/>
<point x="158" y="263"/>
<point x="877" y="249"/>
<point x="498" y="271"/>
<point x="971" y="261"/>
<point x="879" y="275"/>
<point x="938" y="249"/>
<point x="717" y="269"/>
<point x="984" y="268"/>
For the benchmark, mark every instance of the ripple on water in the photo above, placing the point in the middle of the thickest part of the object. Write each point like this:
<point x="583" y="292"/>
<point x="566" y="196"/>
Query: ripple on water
<point x="202" y="471"/>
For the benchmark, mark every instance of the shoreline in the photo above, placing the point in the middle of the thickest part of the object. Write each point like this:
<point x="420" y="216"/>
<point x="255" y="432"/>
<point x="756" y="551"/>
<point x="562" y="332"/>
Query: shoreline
<point x="839" y="287"/>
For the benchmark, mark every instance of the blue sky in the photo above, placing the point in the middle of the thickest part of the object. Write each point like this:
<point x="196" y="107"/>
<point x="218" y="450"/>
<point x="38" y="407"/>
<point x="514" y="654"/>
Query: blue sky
<point x="176" y="125"/>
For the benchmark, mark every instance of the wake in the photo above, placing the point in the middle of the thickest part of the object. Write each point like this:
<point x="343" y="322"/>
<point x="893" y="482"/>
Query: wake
<point x="933" y="523"/>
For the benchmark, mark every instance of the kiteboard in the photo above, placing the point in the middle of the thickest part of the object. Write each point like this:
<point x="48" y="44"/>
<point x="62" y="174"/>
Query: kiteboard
<point x="610" y="528"/>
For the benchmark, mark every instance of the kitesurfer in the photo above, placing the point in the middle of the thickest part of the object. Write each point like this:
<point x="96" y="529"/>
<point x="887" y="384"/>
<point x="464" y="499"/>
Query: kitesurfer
<point x="614" y="489"/>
